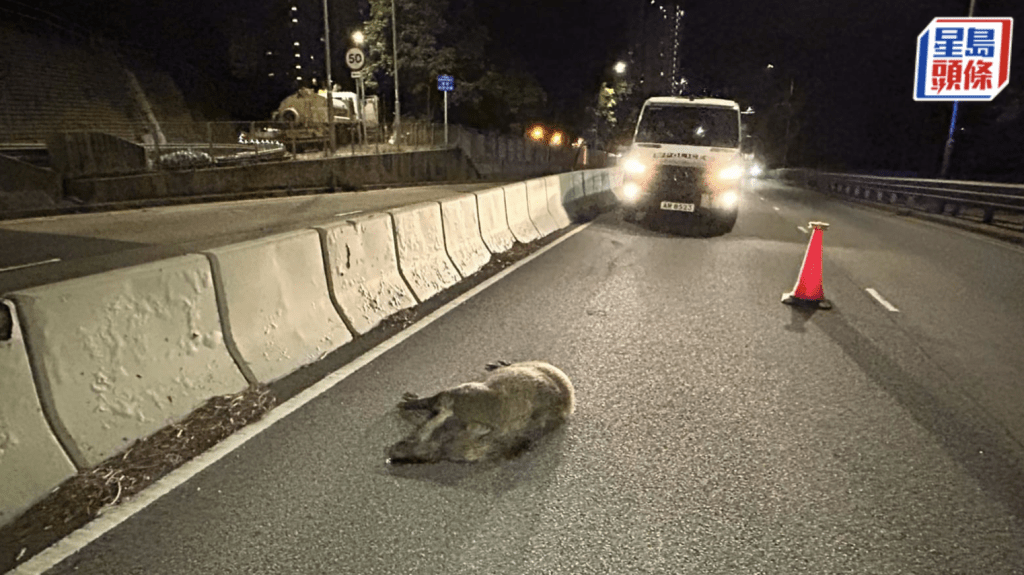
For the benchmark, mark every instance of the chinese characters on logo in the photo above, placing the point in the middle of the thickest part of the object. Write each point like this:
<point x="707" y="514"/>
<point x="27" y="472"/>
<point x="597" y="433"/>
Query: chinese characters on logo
<point x="963" y="59"/>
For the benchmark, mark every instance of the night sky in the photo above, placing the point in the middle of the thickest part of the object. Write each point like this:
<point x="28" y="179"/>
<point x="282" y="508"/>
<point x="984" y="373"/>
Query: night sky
<point x="851" y="63"/>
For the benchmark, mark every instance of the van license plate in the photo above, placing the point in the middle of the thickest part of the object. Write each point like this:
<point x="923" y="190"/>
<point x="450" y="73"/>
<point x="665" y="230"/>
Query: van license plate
<point x="676" y="207"/>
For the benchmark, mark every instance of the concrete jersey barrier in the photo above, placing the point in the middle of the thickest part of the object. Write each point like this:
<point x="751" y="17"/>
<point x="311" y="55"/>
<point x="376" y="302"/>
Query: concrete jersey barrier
<point x="557" y="190"/>
<point x="121" y="354"/>
<point x="278" y="314"/>
<point x="537" y="200"/>
<point x="462" y="237"/>
<point x="517" y="208"/>
<point x="32" y="461"/>
<point x="422" y="257"/>
<point x="493" y="222"/>
<point x="362" y="270"/>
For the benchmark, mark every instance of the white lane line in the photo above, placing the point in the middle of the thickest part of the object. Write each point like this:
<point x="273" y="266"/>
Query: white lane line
<point x="776" y="208"/>
<point x="762" y="197"/>
<point x="23" y="266"/>
<point x="881" y="300"/>
<point x="802" y="229"/>
<point x="114" y="516"/>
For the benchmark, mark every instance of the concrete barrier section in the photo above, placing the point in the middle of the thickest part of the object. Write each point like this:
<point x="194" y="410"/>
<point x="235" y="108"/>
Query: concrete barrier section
<point x="518" y="211"/>
<point x="278" y="314"/>
<point x="462" y="237"/>
<point x="557" y="192"/>
<point x="422" y="258"/>
<point x="121" y="354"/>
<point x="32" y="461"/>
<point x="362" y="270"/>
<point x="493" y="222"/>
<point x="537" y="200"/>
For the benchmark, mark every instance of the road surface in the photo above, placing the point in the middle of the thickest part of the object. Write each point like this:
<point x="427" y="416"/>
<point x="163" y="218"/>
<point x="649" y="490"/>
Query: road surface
<point x="716" y="431"/>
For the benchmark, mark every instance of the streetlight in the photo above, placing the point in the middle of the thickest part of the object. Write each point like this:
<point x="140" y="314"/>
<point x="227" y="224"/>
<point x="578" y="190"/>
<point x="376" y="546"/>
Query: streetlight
<point x="358" y="38"/>
<point x="330" y="84"/>
<point x="398" y="105"/>
<point x="620" y="67"/>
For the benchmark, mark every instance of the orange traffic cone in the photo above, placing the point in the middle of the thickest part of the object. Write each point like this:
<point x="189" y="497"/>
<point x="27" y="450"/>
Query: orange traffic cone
<point x="808" y="289"/>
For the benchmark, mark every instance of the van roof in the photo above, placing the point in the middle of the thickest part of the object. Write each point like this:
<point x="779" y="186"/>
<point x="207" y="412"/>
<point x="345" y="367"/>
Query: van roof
<point x="681" y="101"/>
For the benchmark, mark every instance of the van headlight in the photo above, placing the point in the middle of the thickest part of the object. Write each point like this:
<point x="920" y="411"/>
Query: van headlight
<point x="631" y="190"/>
<point x="730" y="173"/>
<point x="634" y="167"/>
<point x="729" y="199"/>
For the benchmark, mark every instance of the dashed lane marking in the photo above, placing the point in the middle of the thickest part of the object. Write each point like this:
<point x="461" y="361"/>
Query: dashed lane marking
<point x="881" y="300"/>
<point x="33" y="264"/>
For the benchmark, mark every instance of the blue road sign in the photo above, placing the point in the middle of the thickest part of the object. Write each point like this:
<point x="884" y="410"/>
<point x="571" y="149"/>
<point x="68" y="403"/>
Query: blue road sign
<point x="445" y="83"/>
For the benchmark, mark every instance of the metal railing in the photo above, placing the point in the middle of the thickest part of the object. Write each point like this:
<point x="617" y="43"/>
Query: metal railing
<point x="992" y="203"/>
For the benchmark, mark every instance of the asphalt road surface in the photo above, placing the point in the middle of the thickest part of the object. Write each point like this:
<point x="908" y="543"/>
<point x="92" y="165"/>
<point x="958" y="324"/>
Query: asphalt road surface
<point x="44" y="250"/>
<point x="716" y="431"/>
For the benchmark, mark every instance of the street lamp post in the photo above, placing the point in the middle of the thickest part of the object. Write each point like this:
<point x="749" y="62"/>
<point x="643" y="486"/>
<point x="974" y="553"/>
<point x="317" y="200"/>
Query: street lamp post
<point x="330" y="83"/>
<point x="948" y="150"/>
<point x="398" y="104"/>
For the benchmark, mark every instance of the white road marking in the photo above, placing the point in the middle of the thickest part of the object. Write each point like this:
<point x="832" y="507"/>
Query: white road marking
<point x="881" y="300"/>
<point x="776" y="208"/>
<point x="23" y="266"/>
<point x="802" y="229"/>
<point x="762" y="197"/>
<point x="348" y="213"/>
<point x="114" y="516"/>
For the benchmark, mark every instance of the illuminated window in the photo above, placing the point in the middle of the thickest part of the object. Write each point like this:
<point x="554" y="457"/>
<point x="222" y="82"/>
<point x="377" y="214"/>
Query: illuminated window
<point x="298" y="66"/>
<point x="298" y="55"/>
<point x="295" y="20"/>
<point x="295" y="44"/>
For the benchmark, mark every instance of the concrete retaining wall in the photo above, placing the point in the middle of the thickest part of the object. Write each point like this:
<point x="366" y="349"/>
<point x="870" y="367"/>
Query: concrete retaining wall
<point x="32" y="461"/>
<point x="348" y="171"/>
<point x="462" y="237"/>
<point x="277" y="311"/>
<point x="518" y="210"/>
<point x="422" y="257"/>
<point x="117" y="356"/>
<point x="494" y="228"/>
<point x="18" y="176"/>
<point x="362" y="270"/>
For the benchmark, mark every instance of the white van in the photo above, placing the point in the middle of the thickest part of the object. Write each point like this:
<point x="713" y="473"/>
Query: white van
<point x="685" y="162"/>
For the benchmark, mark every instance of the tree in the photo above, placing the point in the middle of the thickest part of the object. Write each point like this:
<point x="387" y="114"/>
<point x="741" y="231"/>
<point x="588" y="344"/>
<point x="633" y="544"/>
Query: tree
<point x="445" y="37"/>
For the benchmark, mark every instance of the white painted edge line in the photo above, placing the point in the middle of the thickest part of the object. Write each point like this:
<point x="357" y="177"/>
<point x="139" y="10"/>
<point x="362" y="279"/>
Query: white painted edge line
<point x="342" y="214"/>
<point x="881" y="300"/>
<point x="802" y="229"/>
<point x="33" y="264"/>
<point x="114" y="516"/>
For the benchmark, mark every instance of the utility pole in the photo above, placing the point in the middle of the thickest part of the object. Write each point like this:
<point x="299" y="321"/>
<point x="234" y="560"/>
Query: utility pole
<point x="330" y="83"/>
<point x="948" y="152"/>
<point x="398" y="104"/>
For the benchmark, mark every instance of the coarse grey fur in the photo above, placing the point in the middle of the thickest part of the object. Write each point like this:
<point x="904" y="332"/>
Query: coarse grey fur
<point x="500" y="417"/>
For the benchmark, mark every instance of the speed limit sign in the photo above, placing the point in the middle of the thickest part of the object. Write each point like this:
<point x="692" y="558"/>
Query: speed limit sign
<point x="355" y="59"/>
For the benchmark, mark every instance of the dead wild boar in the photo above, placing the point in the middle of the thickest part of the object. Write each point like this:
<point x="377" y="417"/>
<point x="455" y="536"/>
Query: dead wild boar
<point x="500" y="417"/>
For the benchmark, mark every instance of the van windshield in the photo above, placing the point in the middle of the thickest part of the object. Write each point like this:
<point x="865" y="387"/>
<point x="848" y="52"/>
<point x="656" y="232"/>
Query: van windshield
<point x="716" y="127"/>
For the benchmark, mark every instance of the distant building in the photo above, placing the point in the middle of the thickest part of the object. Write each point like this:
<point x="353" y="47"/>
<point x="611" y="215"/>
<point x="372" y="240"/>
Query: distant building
<point x="655" y="36"/>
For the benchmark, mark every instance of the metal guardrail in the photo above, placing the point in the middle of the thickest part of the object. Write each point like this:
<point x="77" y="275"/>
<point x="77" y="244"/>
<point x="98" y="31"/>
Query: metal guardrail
<point x="949" y="197"/>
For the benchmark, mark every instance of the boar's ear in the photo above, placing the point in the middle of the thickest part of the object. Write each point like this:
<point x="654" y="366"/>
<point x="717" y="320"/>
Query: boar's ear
<point x="495" y="365"/>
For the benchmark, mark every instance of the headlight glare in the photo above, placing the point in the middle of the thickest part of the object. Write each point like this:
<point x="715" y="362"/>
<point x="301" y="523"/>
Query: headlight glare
<point x="634" y="166"/>
<point x="731" y="173"/>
